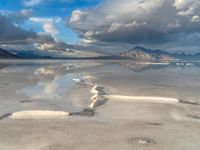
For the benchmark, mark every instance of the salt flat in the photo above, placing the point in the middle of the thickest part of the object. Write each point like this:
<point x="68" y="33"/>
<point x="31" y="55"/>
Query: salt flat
<point x="131" y="117"/>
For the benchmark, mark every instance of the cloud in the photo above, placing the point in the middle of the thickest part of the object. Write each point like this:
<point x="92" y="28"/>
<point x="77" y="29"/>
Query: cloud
<point x="138" y="21"/>
<point x="180" y="4"/>
<point x="10" y="32"/>
<point x="195" y="18"/>
<point x="26" y="12"/>
<point x="30" y="3"/>
<point x="77" y="16"/>
<point x="48" y="24"/>
<point x="51" y="44"/>
<point x="13" y="36"/>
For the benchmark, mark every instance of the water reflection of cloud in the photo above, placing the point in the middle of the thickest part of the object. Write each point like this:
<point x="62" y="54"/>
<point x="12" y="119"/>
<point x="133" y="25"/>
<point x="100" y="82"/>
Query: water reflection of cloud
<point x="44" y="71"/>
<point x="55" y="89"/>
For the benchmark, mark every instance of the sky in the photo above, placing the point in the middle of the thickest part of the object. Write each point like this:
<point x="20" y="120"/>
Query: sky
<point x="100" y="25"/>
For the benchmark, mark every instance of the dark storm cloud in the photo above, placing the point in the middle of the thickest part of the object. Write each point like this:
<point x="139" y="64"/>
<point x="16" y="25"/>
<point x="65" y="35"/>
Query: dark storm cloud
<point x="139" y="21"/>
<point x="10" y="32"/>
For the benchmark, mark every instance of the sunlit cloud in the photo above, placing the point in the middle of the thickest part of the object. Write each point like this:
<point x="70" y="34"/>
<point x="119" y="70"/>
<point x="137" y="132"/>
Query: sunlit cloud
<point x="138" y="22"/>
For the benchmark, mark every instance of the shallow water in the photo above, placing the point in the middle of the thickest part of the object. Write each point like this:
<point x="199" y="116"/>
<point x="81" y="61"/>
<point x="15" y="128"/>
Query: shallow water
<point x="43" y="84"/>
<point x="173" y="80"/>
<point x="52" y="84"/>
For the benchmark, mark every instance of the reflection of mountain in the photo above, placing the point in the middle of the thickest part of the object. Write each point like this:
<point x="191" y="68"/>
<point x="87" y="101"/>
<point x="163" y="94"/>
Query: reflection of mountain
<point x="143" y="66"/>
<point x="3" y="66"/>
<point x="140" y="66"/>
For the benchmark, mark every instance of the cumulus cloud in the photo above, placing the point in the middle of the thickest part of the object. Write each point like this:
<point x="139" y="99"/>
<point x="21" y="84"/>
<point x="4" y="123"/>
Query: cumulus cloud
<point x="51" y="44"/>
<point x="195" y="18"/>
<point x="13" y="36"/>
<point x="48" y="24"/>
<point x="77" y="16"/>
<point x="16" y="33"/>
<point x="11" y="32"/>
<point x="138" y="21"/>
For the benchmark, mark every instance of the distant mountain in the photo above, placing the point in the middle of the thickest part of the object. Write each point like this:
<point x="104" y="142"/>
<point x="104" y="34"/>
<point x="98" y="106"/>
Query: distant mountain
<point x="6" y="54"/>
<point x="31" y="55"/>
<point x="188" y="57"/>
<point x="57" y="54"/>
<point x="144" y="54"/>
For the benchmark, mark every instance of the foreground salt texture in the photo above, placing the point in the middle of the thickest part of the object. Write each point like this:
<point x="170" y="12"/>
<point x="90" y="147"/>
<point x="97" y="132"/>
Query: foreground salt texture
<point x="143" y="99"/>
<point x="31" y="114"/>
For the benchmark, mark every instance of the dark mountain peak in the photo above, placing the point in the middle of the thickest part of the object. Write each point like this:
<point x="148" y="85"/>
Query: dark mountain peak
<point x="2" y="50"/>
<point x="139" y="48"/>
<point x="6" y="54"/>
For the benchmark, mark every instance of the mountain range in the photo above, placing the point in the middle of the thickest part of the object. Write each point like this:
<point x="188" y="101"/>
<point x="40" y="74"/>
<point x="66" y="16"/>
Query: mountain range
<point x="138" y="54"/>
<point x="35" y="54"/>
<point x="144" y="54"/>
<point x="6" y="54"/>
